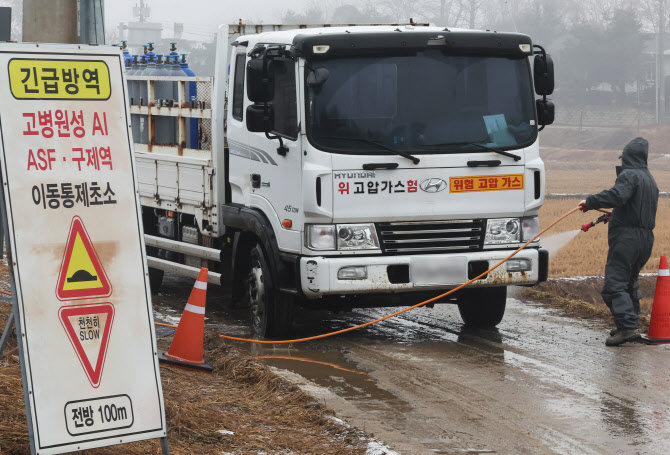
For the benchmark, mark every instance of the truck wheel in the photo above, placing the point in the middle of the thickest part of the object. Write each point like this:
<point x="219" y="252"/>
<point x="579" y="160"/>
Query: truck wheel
<point x="271" y="312"/>
<point x="155" y="279"/>
<point x="484" y="307"/>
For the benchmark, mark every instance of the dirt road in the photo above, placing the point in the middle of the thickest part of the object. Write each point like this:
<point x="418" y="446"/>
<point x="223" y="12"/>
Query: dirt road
<point x="422" y="383"/>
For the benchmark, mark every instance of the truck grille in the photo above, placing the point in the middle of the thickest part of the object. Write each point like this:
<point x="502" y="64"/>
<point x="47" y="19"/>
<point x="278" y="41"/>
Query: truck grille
<point x="416" y="237"/>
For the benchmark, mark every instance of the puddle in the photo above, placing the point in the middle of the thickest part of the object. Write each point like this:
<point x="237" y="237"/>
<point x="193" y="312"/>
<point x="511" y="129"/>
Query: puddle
<point x="330" y="369"/>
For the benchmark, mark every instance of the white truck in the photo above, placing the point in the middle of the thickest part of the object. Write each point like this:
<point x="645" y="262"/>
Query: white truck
<point x="351" y="166"/>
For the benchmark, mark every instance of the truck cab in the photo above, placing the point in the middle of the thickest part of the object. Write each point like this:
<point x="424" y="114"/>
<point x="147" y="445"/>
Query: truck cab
<point x="377" y="165"/>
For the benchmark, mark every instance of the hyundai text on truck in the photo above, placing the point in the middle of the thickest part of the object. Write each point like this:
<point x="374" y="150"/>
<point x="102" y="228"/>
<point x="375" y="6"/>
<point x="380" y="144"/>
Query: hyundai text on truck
<point x="342" y="167"/>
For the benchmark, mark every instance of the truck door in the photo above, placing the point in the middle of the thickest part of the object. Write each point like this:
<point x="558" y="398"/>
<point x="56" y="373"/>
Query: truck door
<point x="276" y="174"/>
<point x="237" y="134"/>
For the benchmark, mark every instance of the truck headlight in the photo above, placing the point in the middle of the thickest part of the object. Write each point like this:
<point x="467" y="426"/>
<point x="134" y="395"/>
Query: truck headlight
<point x="502" y="230"/>
<point x="357" y="237"/>
<point x="345" y="237"/>
<point x="320" y="237"/>
<point x="530" y="227"/>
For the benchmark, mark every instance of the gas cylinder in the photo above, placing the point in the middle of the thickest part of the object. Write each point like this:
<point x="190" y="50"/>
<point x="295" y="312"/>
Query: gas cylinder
<point x="134" y="96"/>
<point x="126" y="53"/>
<point x="149" y="66"/>
<point x="191" y="98"/>
<point x="165" y="133"/>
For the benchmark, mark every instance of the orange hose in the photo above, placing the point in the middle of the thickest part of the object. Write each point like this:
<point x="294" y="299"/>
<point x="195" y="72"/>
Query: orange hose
<point x="162" y="324"/>
<point x="303" y="359"/>
<point x="360" y="326"/>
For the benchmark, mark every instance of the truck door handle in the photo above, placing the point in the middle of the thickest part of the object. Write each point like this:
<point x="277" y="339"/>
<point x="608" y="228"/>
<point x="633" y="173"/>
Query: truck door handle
<point x="373" y="166"/>
<point x="489" y="163"/>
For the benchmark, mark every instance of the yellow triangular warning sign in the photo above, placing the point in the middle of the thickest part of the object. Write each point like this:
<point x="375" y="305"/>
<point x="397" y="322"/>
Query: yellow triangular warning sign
<point x="81" y="275"/>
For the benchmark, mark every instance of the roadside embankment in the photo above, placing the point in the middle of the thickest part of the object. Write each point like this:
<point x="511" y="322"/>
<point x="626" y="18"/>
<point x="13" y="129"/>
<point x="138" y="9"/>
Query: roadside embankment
<point x="241" y="408"/>
<point x="580" y="297"/>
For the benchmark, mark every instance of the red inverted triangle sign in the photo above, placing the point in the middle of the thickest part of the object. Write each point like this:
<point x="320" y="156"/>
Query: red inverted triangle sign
<point x="88" y="327"/>
<point x="81" y="274"/>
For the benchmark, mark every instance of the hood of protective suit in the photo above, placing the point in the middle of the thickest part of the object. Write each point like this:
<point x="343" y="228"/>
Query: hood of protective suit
<point x="635" y="154"/>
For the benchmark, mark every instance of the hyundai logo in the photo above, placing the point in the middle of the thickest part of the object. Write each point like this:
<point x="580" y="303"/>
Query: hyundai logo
<point x="433" y="185"/>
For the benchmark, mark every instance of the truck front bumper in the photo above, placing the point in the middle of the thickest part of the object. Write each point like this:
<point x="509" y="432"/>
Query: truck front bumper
<point x="388" y="274"/>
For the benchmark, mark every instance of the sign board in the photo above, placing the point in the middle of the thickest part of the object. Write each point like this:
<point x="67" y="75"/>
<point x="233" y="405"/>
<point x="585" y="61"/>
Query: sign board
<point x="89" y="365"/>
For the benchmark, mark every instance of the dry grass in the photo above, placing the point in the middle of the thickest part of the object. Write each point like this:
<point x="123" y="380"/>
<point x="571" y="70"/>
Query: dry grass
<point x="587" y="253"/>
<point x="583" y="162"/>
<point x="581" y="299"/>
<point x="266" y="413"/>
<point x="588" y="168"/>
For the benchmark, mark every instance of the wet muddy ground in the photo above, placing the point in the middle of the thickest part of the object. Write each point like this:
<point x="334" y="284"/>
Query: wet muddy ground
<point x="424" y="384"/>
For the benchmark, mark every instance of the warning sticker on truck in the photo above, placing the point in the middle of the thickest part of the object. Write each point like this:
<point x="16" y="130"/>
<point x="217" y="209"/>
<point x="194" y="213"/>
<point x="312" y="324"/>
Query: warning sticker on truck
<point x="486" y="183"/>
<point x="32" y="79"/>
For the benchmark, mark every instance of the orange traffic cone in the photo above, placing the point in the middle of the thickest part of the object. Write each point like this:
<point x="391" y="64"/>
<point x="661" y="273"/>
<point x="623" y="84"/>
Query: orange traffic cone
<point x="659" y="325"/>
<point x="186" y="348"/>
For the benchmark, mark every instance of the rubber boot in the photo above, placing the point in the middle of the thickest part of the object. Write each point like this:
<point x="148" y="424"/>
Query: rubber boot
<point x="622" y="336"/>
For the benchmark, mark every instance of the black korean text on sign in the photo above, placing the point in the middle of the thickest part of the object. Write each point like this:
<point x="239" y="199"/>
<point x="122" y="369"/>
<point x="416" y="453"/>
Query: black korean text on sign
<point x="34" y="79"/>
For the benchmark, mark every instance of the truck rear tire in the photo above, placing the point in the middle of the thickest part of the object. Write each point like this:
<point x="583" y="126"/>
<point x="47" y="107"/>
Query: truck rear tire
<point x="483" y="307"/>
<point x="271" y="311"/>
<point x="155" y="279"/>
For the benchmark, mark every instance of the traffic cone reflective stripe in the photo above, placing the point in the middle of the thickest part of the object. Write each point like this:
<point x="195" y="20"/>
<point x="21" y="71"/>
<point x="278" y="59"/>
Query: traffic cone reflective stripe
<point x="187" y="345"/>
<point x="194" y="309"/>
<point x="659" y="325"/>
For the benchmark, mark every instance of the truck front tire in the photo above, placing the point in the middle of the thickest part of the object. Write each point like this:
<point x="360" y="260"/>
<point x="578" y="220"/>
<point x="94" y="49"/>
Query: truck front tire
<point x="483" y="307"/>
<point x="271" y="311"/>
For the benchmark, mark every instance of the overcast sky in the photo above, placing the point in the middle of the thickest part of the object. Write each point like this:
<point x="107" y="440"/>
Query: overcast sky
<point x="200" y="17"/>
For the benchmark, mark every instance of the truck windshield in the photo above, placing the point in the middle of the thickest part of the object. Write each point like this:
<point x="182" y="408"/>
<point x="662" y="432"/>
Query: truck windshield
<point x="424" y="103"/>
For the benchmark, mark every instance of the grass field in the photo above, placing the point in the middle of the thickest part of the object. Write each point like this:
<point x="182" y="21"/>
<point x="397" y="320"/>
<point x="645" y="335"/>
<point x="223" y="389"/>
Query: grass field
<point x="587" y="253"/>
<point x="583" y="162"/>
<point x="588" y="171"/>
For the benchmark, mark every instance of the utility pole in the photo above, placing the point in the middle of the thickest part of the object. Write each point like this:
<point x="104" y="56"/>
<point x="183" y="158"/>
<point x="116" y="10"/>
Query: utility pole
<point x="50" y="21"/>
<point x="442" y="13"/>
<point x="660" y="61"/>
<point x="473" y="13"/>
<point x="64" y="21"/>
<point x="91" y="22"/>
<point x="661" y="65"/>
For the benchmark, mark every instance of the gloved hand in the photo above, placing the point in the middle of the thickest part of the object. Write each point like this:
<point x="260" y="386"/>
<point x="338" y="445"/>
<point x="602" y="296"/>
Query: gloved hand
<point x="607" y="220"/>
<point x="582" y="206"/>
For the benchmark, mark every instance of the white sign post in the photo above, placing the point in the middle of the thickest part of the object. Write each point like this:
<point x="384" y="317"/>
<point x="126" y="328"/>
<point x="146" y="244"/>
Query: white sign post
<point x="79" y="275"/>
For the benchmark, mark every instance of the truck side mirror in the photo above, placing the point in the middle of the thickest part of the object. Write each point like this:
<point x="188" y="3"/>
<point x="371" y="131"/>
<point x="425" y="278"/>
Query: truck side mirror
<point x="260" y="119"/>
<point x="545" y="112"/>
<point x="318" y="77"/>
<point x="543" y="73"/>
<point x="260" y="84"/>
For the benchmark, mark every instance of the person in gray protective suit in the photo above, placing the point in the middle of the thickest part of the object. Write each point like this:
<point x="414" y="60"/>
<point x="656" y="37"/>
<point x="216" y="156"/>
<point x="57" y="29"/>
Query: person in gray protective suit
<point x="634" y="200"/>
